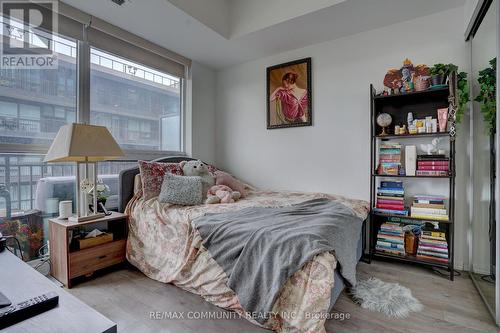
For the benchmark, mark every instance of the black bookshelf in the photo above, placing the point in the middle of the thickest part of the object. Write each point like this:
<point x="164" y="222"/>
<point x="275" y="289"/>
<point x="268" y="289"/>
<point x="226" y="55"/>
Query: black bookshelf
<point x="421" y="104"/>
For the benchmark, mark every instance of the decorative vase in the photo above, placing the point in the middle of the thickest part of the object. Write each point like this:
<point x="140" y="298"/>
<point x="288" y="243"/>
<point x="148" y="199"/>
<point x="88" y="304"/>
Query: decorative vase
<point x="411" y="243"/>
<point x="438" y="79"/>
<point x="421" y="83"/>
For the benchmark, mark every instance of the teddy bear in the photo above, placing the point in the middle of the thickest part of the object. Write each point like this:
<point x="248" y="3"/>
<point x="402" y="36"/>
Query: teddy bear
<point x="222" y="194"/>
<point x="200" y="169"/>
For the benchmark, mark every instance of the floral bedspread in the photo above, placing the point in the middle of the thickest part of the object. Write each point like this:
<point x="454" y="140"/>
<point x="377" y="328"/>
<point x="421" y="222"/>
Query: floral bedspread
<point x="164" y="246"/>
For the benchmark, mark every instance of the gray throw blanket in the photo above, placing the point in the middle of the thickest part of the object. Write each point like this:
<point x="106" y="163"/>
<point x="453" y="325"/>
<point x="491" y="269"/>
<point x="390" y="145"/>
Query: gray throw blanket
<point x="260" y="248"/>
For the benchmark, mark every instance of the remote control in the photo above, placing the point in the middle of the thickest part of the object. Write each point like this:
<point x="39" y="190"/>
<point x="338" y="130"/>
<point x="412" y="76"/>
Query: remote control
<point x="27" y="309"/>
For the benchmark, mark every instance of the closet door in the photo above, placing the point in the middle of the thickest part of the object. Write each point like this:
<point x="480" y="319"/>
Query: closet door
<point x="484" y="247"/>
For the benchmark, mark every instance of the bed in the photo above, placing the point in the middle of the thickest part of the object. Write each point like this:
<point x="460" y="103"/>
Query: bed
<point x="165" y="246"/>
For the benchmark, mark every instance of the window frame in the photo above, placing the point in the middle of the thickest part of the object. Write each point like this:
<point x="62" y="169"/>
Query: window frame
<point x="69" y="19"/>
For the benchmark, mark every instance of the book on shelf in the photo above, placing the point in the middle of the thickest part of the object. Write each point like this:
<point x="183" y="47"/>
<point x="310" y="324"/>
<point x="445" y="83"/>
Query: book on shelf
<point x="391" y="185"/>
<point x="423" y="205"/>
<point x="390" y="207"/>
<point x="431" y="217"/>
<point x="433" y="241"/>
<point x="429" y="197"/>
<point x="390" y="245"/>
<point x="404" y="220"/>
<point x="389" y="159"/>
<point x="429" y="207"/>
<point x="433" y="168"/>
<point x="428" y="211"/>
<point x="391" y="202"/>
<point x="433" y="173"/>
<point x="428" y="201"/>
<point x="431" y="258"/>
<point x="437" y="157"/>
<point x="433" y="165"/>
<point x="390" y="212"/>
<point x="433" y="253"/>
<point x="439" y="249"/>
<point x="390" y="191"/>
<point x="436" y="234"/>
<point x="390" y="198"/>
<point x="390" y="239"/>
<point x="432" y="246"/>
<point x="391" y="252"/>
<point x="424" y="163"/>
<point x="410" y="160"/>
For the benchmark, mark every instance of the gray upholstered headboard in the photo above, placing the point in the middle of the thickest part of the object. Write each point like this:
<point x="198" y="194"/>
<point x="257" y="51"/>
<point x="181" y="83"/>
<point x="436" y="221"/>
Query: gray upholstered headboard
<point x="126" y="181"/>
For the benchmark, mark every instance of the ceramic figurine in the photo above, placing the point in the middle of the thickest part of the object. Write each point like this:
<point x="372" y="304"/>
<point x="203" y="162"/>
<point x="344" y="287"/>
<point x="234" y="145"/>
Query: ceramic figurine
<point x="431" y="148"/>
<point x="402" y="130"/>
<point x="409" y="119"/>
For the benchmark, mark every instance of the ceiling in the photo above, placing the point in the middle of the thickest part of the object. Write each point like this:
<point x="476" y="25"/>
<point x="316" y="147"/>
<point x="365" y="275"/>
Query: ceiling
<point x="222" y="33"/>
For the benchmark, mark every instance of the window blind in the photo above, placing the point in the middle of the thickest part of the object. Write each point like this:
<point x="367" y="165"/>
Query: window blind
<point x="108" y="37"/>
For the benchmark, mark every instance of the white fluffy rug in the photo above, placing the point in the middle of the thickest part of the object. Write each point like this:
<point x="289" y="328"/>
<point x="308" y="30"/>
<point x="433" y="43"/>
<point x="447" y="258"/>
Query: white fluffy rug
<point x="391" y="299"/>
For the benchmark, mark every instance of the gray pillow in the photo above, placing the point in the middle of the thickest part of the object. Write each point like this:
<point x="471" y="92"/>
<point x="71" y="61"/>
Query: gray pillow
<point x="181" y="190"/>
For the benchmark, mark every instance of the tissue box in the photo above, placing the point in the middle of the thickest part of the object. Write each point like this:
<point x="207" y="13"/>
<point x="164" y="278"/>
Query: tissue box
<point x="94" y="241"/>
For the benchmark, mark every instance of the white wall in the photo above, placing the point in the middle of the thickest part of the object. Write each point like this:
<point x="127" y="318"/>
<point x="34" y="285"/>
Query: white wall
<point x="249" y="16"/>
<point x="333" y="155"/>
<point x="215" y="14"/>
<point x="200" y="141"/>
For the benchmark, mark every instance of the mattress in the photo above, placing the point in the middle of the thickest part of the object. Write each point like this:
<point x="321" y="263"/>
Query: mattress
<point x="165" y="247"/>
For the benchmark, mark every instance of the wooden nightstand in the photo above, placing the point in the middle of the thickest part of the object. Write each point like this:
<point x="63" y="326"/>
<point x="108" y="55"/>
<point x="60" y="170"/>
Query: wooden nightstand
<point x="69" y="262"/>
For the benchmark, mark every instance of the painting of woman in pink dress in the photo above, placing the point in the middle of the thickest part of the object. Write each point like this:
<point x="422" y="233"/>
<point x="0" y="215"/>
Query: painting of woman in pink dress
<point x="289" y="94"/>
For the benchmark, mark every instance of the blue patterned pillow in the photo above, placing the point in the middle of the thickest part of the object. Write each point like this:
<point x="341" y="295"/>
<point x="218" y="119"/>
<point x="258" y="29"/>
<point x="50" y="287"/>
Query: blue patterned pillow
<point x="181" y="190"/>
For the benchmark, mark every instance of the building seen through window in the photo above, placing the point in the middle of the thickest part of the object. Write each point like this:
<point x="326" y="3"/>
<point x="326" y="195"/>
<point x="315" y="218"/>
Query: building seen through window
<point x="141" y="107"/>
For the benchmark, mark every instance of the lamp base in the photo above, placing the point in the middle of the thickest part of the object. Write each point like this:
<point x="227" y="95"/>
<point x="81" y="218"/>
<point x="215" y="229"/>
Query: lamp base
<point x="79" y="219"/>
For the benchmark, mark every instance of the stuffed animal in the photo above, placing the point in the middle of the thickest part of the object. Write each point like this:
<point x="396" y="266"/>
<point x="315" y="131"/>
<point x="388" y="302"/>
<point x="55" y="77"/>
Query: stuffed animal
<point x="223" y="178"/>
<point x="198" y="168"/>
<point x="222" y="194"/>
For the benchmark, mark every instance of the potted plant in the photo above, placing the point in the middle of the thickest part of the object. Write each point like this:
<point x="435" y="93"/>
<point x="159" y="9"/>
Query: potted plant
<point x="438" y="73"/>
<point x="487" y="94"/>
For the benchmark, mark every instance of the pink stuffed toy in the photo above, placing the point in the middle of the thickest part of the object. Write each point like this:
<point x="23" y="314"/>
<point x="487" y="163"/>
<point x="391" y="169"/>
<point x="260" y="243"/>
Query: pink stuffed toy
<point x="223" y="178"/>
<point x="222" y="194"/>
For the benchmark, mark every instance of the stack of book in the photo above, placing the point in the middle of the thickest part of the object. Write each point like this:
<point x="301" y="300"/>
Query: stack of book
<point x="429" y="207"/>
<point x="433" y="165"/>
<point x="433" y="246"/>
<point x="390" y="239"/>
<point x="390" y="199"/>
<point x="389" y="159"/>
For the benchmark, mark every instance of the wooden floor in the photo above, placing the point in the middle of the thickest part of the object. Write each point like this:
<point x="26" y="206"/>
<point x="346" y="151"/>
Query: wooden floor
<point x="127" y="297"/>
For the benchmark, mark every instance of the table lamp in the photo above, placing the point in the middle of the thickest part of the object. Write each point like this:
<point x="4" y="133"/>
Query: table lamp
<point x="85" y="145"/>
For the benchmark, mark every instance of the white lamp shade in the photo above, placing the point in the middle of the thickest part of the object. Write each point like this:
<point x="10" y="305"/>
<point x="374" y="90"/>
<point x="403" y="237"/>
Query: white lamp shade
<point x="80" y="143"/>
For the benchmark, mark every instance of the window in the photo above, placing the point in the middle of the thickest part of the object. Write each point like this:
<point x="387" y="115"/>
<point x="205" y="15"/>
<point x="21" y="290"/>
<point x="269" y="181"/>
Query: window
<point x="24" y="93"/>
<point x="137" y="96"/>
<point x="144" y="103"/>
<point x="34" y="104"/>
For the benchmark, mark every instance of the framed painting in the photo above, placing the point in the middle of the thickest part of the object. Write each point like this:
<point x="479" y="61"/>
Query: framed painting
<point x="289" y="96"/>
